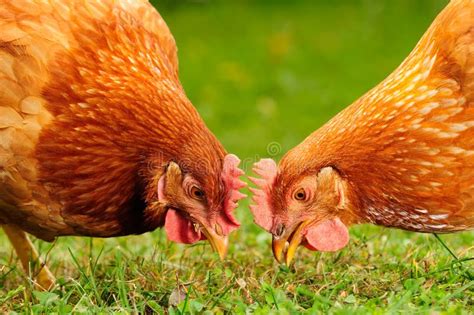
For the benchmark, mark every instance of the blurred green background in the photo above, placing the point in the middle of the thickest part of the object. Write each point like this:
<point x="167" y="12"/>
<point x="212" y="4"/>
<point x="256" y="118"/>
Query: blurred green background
<point x="274" y="71"/>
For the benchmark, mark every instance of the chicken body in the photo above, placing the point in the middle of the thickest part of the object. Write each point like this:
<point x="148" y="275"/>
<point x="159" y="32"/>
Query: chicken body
<point x="97" y="137"/>
<point x="401" y="156"/>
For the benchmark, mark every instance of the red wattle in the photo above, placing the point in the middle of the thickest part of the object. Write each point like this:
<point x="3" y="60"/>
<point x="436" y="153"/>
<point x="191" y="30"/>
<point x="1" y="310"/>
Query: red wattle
<point x="327" y="236"/>
<point x="179" y="229"/>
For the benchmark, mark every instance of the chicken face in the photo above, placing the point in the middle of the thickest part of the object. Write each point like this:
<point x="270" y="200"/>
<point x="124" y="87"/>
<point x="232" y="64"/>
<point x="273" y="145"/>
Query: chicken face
<point x="301" y="209"/>
<point x="194" y="214"/>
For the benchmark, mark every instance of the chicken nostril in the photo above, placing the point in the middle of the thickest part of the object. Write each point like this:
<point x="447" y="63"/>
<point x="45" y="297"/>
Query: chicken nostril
<point x="279" y="230"/>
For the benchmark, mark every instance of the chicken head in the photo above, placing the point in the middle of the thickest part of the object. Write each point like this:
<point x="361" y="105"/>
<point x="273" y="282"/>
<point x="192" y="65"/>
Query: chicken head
<point x="304" y="208"/>
<point x="190" y="215"/>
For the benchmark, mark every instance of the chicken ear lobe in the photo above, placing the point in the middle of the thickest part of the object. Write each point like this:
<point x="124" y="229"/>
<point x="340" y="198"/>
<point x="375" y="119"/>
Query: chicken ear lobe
<point x="262" y="210"/>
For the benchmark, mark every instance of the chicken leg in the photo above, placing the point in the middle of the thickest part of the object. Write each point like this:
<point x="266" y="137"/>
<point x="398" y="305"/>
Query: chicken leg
<point x="29" y="258"/>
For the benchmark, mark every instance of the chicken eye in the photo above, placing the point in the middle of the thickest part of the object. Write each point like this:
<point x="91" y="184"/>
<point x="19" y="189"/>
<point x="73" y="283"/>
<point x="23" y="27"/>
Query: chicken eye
<point x="196" y="193"/>
<point x="300" y="194"/>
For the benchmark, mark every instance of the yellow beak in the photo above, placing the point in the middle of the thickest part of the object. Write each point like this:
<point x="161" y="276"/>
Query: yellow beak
<point x="293" y="239"/>
<point x="219" y="243"/>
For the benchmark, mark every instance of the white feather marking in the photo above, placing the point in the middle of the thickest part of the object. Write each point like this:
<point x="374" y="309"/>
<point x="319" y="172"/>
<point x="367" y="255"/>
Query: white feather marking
<point x="417" y="121"/>
<point x="387" y="99"/>
<point x="417" y="226"/>
<point x="432" y="151"/>
<point x="416" y="78"/>
<point x="408" y="89"/>
<point x="428" y="63"/>
<point x="421" y="97"/>
<point x="452" y="83"/>
<point x="432" y="130"/>
<point x="457" y="127"/>
<point x="432" y="93"/>
<point x="445" y="91"/>
<point x="448" y="135"/>
<point x="428" y="108"/>
<point x="448" y="102"/>
<point x="440" y="118"/>
<point x="455" y="150"/>
<point x="439" y="216"/>
<point x="436" y="226"/>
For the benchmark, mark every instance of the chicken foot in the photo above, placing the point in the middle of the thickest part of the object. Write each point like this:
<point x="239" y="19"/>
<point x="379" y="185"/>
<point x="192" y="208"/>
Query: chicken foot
<point x="43" y="278"/>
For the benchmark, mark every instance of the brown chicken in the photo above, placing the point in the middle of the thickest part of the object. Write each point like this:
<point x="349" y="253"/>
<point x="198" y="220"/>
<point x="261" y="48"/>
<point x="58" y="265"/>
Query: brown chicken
<point x="401" y="156"/>
<point x="97" y="137"/>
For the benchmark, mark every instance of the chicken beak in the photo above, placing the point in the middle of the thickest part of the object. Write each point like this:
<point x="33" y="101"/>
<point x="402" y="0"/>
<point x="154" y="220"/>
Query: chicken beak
<point x="293" y="239"/>
<point x="218" y="242"/>
<point x="278" y="247"/>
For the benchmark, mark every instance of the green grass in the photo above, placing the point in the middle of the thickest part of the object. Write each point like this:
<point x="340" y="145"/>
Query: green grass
<point x="266" y="73"/>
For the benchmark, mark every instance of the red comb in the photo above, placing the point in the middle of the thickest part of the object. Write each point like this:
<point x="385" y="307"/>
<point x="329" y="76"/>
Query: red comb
<point x="261" y="210"/>
<point x="230" y="176"/>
